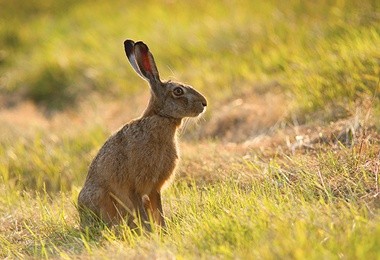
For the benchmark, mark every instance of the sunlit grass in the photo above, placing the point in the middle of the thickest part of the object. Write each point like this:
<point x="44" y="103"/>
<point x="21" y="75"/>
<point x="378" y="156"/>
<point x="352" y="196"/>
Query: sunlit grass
<point x="223" y="204"/>
<point x="260" y="219"/>
<point x="229" y="200"/>
<point x="47" y="161"/>
<point x="322" y="54"/>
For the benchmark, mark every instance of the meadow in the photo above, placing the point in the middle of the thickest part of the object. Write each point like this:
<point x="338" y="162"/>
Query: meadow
<point x="284" y="164"/>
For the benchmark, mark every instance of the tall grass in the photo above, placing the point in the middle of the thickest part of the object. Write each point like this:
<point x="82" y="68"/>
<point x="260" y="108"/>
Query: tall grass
<point x="321" y="53"/>
<point x="275" y="218"/>
<point x="229" y="200"/>
<point x="47" y="162"/>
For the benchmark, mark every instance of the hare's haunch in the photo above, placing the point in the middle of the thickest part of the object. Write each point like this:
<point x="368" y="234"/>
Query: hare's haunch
<point x="126" y="176"/>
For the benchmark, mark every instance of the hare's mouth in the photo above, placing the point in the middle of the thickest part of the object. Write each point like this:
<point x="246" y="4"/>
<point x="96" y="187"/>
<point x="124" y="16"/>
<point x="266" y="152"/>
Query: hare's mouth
<point x="198" y="111"/>
<point x="203" y="110"/>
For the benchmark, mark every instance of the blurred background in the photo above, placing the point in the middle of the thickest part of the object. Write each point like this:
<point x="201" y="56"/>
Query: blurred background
<point x="65" y="83"/>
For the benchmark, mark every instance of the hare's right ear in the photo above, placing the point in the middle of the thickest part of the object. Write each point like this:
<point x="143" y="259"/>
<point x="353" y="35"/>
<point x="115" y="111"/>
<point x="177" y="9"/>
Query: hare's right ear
<point x="142" y="60"/>
<point x="129" y="47"/>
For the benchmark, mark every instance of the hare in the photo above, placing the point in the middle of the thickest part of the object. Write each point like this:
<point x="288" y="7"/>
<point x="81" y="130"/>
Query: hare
<point x="126" y="176"/>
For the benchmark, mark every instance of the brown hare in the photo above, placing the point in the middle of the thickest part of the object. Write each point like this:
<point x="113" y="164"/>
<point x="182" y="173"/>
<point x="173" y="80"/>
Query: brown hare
<point x="126" y="176"/>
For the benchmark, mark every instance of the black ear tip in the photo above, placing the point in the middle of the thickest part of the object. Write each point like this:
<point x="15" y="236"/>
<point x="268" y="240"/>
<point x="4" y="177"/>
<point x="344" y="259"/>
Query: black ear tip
<point x="129" y="42"/>
<point x="128" y="46"/>
<point x="142" y="46"/>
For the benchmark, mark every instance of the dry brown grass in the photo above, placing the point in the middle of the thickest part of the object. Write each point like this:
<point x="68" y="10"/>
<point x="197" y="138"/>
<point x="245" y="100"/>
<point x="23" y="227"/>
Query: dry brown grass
<point x="255" y="112"/>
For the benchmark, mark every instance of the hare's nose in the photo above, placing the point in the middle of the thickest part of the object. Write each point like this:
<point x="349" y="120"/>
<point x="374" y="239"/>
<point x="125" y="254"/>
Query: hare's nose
<point x="204" y="101"/>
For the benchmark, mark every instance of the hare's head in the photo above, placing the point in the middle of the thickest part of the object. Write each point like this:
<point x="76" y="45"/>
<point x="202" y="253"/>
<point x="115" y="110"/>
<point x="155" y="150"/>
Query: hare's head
<point x="169" y="99"/>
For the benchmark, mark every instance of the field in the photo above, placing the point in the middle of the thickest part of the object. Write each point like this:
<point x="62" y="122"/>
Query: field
<point x="284" y="164"/>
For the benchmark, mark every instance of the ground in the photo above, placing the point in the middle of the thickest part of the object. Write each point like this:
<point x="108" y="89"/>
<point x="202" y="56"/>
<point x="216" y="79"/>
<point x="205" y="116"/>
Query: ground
<point x="283" y="164"/>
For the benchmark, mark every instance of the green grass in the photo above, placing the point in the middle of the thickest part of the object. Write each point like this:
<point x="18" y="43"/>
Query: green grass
<point x="322" y="204"/>
<point x="46" y="162"/>
<point x="321" y="53"/>
<point x="306" y="187"/>
<point x="257" y="220"/>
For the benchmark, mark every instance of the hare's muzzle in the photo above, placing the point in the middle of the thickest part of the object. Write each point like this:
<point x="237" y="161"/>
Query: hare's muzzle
<point x="197" y="103"/>
<point x="203" y="105"/>
<point x="203" y="100"/>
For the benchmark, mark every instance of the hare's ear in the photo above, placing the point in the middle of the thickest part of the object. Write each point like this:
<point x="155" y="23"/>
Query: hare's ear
<point x="129" y="47"/>
<point x="145" y="62"/>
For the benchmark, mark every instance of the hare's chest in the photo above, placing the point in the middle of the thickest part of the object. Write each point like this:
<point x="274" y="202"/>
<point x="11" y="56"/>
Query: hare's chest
<point x="152" y="161"/>
<point x="168" y="158"/>
<point x="150" y="151"/>
<point x="162" y="159"/>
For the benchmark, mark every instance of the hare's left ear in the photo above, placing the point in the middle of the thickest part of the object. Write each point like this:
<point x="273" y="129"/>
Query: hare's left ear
<point x="142" y="60"/>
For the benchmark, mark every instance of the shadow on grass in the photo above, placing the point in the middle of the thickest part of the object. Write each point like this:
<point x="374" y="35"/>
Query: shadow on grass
<point x="77" y="240"/>
<point x="67" y="242"/>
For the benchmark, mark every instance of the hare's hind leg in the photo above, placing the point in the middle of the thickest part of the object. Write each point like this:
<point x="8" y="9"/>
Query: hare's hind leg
<point x="88" y="208"/>
<point x="109" y="213"/>
<point x="88" y="218"/>
<point x="156" y="205"/>
<point x="99" y="205"/>
<point x="141" y="203"/>
<point x="114" y="210"/>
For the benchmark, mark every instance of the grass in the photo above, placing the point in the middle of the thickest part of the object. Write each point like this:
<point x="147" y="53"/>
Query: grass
<point x="253" y="182"/>
<point x="296" y="206"/>
<point x="233" y="45"/>
<point x="259" y="219"/>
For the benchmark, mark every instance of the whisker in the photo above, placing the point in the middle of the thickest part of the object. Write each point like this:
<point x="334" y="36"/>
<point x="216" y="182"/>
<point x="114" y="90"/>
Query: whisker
<point x="171" y="76"/>
<point x="184" y="126"/>
<point x="187" y="123"/>
<point x="199" y="118"/>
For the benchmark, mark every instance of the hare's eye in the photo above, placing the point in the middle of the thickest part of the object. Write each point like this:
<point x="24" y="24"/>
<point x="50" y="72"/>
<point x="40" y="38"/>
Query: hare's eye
<point x="178" y="91"/>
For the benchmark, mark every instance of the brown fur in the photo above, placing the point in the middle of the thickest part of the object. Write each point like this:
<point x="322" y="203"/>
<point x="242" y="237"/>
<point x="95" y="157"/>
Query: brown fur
<point x="126" y="176"/>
